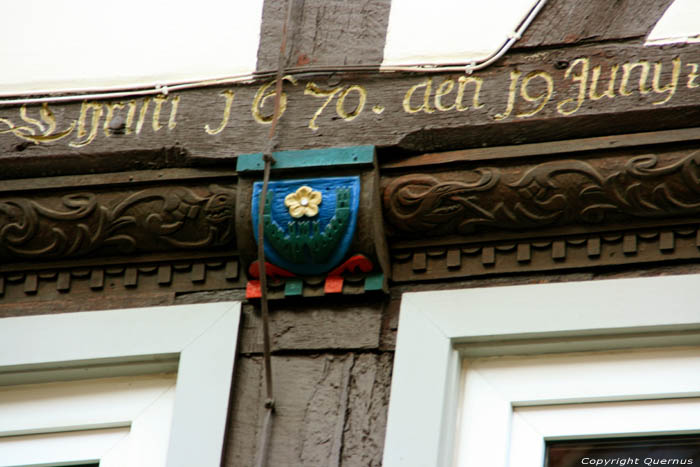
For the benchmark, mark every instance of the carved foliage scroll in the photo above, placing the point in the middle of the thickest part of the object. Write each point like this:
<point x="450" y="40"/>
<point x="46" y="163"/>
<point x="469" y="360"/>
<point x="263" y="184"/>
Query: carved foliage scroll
<point x="549" y="194"/>
<point x="148" y="220"/>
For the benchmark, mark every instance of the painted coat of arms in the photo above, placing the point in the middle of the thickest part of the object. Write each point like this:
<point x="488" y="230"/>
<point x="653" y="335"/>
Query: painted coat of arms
<point x="308" y="224"/>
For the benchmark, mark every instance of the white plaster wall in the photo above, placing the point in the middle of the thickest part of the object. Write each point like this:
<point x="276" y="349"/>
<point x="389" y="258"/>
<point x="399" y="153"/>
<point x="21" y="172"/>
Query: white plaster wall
<point x="63" y="44"/>
<point x="450" y="31"/>
<point x="680" y="23"/>
<point x="68" y="44"/>
<point x="459" y="31"/>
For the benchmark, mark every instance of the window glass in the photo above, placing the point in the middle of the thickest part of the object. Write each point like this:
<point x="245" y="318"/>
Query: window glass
<point x="669" y="450"/>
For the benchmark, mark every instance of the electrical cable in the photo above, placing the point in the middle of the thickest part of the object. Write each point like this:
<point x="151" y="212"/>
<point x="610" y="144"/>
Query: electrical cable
<point x="113" y="93"/>
<point x="266" y="432"/>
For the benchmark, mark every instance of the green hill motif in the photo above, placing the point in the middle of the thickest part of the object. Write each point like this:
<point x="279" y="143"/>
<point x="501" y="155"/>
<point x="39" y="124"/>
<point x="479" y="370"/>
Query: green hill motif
<point x="304" y="239"/>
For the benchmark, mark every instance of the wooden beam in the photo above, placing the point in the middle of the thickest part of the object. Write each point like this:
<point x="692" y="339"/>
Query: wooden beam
<point x="548" y="148"/>
<point x="568" y="22"/>
<point x="322" y="33"/>
<point x="568" y="93"/>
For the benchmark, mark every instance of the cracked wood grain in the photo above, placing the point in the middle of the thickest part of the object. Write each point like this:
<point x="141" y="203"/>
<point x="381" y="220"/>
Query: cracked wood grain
<point x="565" y="22"/>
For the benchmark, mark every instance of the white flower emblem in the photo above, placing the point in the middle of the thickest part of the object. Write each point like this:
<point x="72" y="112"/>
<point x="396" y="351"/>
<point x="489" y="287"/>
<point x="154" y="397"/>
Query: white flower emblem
<point x="303" y="202"/>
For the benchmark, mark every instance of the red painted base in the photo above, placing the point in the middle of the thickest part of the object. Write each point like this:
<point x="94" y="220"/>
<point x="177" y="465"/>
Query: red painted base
<point x="333" y="283"/>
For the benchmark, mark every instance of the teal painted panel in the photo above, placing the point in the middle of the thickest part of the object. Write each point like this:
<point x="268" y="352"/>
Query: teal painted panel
<point x="352" y="155"/>
<point x="293" y="287"/>
<point x="374" y="282"/>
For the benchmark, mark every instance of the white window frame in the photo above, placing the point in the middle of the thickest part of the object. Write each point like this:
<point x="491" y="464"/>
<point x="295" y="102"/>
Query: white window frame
<point x="438" y="329"/>
<point x="512" y="405"/>
<point x="533" y="426"/>
<point x="200" y="338"/>
<point x="61" y="449"/>
<point x="119" y="421"/>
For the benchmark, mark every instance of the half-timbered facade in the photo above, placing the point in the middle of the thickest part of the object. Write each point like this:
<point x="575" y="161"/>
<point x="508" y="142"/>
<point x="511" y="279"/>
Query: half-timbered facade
<point x="572" y="158"/>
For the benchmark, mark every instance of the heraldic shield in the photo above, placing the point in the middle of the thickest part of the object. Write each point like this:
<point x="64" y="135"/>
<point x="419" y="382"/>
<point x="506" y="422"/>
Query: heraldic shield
<point x="308" y="224"/>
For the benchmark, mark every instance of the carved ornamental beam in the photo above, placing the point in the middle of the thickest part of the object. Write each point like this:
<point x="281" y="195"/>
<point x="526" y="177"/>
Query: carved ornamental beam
<point x="527" y="97"/>
<point x="611" y="207"/>
<point x="116" y="219"/>
<point x="583" y="193"/>
<point x="183" y="228"/>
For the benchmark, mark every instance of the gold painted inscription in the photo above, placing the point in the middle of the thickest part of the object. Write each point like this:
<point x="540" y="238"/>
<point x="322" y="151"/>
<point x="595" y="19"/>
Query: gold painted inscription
<point x="514" y="77"/>
<point x="427" y="87"/>
<point x="519" y="94"/>
<point x="581" y="78"/>
<point x="85" y="128"/>
<point x="672" y="84"/>
<point x="540" y="100"/>
<point x="442" y="91"/>
<point x="111" y="107"/>
<point x="692" y="76"/>
<point x="627" y="70"/>
<point x="142" y="114"/>
<point x="130" y="116"/>
<point x="266" y="94"/>
<point x="312" y="89"/>
<point x="463" y="82"/>
<point x="173" y="113"/>
<point x="155" y="122"/>
<point x="41" y="131"/>
<point x="593" y="93"/>
<point x="340" y="104"/>
<point x="86" y="134"/>
<point x="228" y="96"/>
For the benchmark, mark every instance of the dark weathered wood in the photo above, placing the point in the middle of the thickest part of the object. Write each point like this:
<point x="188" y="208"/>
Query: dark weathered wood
<point x="390" y="324"/>
<point x="83" y="302"/>
<point x="330" y="407"/>
<point x="328" y="327"/>
<point x="308" y="409"/>
<point x="324" y="32"/>
<point x="368" y="401"/>
<point x="602" y="250"/>
<point x="207" y="126"/>
<point x="330" y="410"/>
<point x="210" y="296"/>
<point x="566" y="22"/>
<point x="94" y="281"/>
<point x="626" y="271"/>
<point x="87" y="263"/>
<point x="134" y="178"/>
<point x="245" y="413"/>
<point x="542" y="149"/>
<point x="23" y="159"/>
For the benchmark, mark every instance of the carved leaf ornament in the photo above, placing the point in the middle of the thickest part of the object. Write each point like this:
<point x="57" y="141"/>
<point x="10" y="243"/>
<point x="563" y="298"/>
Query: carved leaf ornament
<point x="82" y="223"/>
<point x="544" y="195"/>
